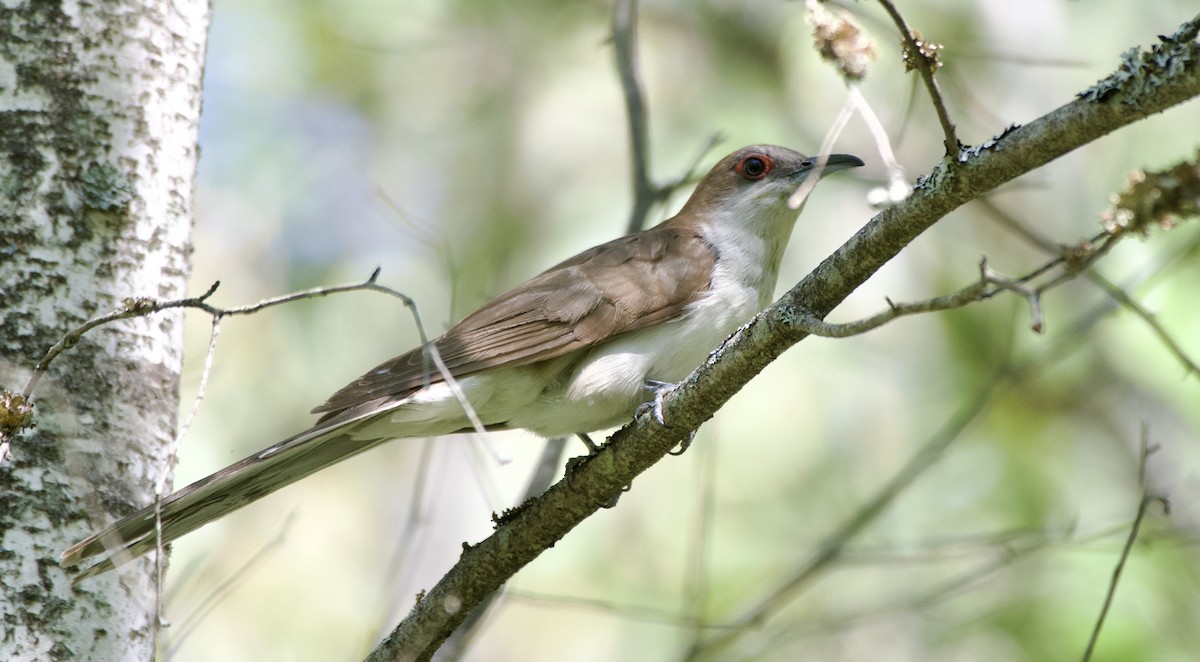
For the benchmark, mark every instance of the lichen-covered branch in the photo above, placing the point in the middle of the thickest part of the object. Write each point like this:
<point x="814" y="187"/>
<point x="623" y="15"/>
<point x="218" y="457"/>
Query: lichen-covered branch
<point x="1163" y="77"/>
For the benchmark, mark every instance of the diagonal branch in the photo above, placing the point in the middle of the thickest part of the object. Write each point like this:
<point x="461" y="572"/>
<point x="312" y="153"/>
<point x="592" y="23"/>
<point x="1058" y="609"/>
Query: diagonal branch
<point x="1127" y="97"/>
<point x="832" y="547"/>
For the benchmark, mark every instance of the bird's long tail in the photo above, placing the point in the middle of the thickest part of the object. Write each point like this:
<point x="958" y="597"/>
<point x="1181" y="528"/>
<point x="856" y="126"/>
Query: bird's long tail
<point x="215" y="496"/>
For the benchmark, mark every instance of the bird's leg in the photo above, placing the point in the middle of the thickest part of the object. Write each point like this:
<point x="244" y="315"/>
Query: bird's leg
<point x="575" y="462"/>
<point x="660" y="390"/>
<point x="587" y="441"/>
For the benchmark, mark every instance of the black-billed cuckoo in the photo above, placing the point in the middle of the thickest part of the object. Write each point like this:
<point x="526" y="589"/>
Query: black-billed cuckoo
<point x="576" y="348"/>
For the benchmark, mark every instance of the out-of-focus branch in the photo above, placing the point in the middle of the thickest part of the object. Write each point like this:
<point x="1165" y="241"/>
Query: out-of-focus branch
<point x="1110" y="288"/>
<point x="1143" y="505"/>
<point x="624" y="26"/>
<point x="645" y="192"/>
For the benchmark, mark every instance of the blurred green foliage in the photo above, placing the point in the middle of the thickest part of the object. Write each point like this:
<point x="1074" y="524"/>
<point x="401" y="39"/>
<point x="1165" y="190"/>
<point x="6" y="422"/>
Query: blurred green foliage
<point x="465" y="146"/>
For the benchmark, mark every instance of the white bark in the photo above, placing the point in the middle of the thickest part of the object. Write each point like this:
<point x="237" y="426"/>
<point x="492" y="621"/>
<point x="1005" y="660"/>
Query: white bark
<point x="99" y="109"/>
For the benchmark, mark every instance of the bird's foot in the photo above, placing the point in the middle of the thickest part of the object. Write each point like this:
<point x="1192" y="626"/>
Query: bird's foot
<point x="660" y="390"/>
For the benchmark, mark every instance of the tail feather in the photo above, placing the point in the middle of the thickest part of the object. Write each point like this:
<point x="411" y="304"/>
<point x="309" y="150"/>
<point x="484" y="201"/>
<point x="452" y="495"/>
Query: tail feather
<point x="215" y="496"/>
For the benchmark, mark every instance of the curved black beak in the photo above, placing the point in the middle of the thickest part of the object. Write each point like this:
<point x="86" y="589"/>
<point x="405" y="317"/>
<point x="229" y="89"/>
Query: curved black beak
<point x="835" y="162"/>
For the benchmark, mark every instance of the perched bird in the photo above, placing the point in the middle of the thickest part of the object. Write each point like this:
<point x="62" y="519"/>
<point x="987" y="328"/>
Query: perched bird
<point x="574" y="349"/>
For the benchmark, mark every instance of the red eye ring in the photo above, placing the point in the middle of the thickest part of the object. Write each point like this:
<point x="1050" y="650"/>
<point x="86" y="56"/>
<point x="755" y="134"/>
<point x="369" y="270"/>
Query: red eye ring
<point x="754" y="167"/>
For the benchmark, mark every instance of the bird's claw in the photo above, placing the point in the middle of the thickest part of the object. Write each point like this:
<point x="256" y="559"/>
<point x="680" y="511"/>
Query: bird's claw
<point x="660" y="390"/>
<point x="612" y="503"/>
<point x="685" y="444"/>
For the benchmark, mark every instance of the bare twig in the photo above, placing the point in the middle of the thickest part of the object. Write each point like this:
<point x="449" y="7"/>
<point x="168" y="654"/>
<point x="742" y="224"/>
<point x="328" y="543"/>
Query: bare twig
<point x="160" y="489"/>
<point x="989" y="284"/>
<point x="898" y="186"/>
<point x="1111" y="289"/>
<point x="922" y="56"/>
<point x="1143" y="505"/>
<point x="142" y="306"/>
<point x="797" y="199"/>
<point x="691" y="172"/>
<point x="408" y="538"/>
<point x="697" y="590"/>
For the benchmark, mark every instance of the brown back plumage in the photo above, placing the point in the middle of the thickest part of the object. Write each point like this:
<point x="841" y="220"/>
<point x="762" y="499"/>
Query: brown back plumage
<point x="620" y="286"/>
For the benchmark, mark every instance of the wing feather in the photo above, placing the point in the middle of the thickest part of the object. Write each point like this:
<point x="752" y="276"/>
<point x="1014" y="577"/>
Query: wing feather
<point x="623" y="285"/>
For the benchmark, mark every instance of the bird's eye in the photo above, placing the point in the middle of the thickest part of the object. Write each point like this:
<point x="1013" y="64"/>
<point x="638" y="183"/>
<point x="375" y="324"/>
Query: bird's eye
<point x="754" y="167"/>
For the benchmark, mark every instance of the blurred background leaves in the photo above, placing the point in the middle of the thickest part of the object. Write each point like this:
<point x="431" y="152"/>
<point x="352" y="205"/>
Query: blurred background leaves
<point x="464" y="146"/>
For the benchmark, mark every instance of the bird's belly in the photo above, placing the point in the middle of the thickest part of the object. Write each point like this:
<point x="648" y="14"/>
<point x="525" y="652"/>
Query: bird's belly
<point x="605" y="388"/>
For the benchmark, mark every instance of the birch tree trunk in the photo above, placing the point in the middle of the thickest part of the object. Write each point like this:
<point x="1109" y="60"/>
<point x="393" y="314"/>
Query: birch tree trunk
<point x="99" y="109"/>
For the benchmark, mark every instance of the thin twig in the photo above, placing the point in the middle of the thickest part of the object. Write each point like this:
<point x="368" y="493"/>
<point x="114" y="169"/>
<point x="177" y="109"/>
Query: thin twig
<point x="407" y="535"/>
<point x="924" y="64"/>
<point x="1143" y="505"/>
<point x="990" y="283"/>
<point x="160" y="489"/>
<point x="697" y="590"/>
<point x="691" y="173"/>
<point x="1111" y="289"/>
<point x="797" y="199"/>
<point x="898" y="186"/>
<point x="142" y="306"/>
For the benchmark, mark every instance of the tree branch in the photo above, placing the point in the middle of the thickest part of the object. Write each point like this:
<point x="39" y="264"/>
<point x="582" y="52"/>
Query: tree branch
<point x="1147" y="84"/>
<point x="922" y="55"/>
<point x="1143" y="504"/>
<point x="1110" y="288"/>
<point x="832" y="547"/>
<point x="625" y="49"/>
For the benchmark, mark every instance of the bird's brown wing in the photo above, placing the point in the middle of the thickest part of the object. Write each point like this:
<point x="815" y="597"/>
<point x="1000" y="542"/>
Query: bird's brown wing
<point x="617" y="287"/>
